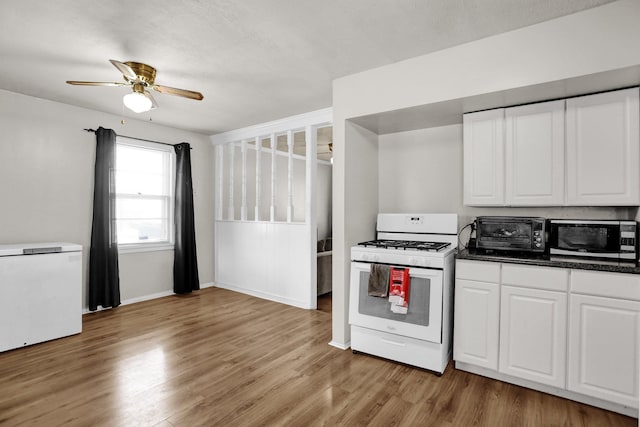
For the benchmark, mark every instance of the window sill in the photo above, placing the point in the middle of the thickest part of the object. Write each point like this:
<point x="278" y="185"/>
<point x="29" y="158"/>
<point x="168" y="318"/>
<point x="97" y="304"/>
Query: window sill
<point x="145" y="247"/>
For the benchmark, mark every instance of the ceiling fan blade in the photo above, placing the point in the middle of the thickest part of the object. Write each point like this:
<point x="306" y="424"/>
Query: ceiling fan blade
<point x="124" y="69"/>
<point x="75" y="82"/>
<point x="178" y="92"/>
<point x="154" y="104"/>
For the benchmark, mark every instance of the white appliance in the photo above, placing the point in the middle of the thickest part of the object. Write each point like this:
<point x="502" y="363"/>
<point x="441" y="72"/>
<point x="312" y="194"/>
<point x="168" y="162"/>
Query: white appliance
<point x="40" y="293"/>
<point x="425" y="244"/>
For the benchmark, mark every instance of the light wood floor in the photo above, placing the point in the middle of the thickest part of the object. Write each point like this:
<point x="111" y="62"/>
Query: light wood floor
<point x="222" y="358"/>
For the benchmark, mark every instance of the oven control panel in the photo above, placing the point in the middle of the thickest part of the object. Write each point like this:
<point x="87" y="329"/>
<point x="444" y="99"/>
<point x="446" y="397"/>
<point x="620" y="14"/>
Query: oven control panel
<point x="414" y="259"/>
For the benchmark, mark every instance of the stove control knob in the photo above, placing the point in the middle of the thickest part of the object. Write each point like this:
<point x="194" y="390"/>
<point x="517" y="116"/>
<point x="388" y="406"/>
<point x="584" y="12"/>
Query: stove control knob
<point x="375" y="258"/>
<point x="365" y="257"/>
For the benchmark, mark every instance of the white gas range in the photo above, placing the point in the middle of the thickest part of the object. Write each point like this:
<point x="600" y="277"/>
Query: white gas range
<point x="410" y="320"/>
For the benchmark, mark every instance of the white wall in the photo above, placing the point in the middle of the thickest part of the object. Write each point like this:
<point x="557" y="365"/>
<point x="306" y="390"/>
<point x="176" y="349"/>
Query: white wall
<point x="593" y="41"/>
<point x="421" y="171"/>
<point x="355" y="204"/>
<point x="272" y="260"/>
<point x="265" y="259"/>
<point x="46" y="185"/>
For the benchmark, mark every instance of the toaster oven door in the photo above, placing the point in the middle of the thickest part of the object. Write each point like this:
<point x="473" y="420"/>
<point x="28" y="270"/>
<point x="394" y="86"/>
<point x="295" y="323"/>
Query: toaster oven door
<point x="505" y="234"/>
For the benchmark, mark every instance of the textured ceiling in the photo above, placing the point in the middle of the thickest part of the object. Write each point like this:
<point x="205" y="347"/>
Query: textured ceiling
<point x="254" y="60"/>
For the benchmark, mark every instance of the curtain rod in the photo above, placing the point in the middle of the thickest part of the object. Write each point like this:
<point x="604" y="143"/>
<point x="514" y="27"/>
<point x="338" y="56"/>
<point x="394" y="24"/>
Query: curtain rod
<point x="139" y="139"/>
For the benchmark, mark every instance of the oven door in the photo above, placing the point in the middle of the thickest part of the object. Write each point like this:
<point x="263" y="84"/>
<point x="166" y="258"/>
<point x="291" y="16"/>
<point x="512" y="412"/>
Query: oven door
<point x="424" y="316"/>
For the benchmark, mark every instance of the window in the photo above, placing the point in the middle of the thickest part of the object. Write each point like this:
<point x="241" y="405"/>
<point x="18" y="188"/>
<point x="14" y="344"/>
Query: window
<point x="144" y="194"/>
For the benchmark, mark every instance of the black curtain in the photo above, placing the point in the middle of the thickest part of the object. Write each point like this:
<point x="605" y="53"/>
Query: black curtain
<point x="104" y="281"/>
<point x="185" y="261"/>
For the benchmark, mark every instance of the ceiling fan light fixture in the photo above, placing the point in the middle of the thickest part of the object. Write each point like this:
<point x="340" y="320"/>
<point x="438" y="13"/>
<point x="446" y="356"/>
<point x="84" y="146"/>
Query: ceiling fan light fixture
<point x="140" y="77"/>
<point x="138" y="102"/>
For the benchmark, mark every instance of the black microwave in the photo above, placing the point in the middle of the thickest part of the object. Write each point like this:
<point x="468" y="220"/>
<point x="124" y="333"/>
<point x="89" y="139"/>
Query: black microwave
<point x="610" y="239"/>
<point x="510" y="233"/>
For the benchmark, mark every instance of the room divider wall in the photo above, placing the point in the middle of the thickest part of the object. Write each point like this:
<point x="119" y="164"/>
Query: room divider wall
<point x="266" y="208"/>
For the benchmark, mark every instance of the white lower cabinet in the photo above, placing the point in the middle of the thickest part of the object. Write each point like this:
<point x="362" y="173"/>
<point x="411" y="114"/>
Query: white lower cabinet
<point x="574" y="333"/>
<point x="533" y="325"/>
<point x="475" y="338"/>
<point x="477" y="313"/>
<point x="603" y="348"/>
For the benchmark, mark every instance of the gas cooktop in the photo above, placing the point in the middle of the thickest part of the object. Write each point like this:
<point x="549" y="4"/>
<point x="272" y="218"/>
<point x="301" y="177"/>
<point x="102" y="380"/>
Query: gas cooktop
<point x="405" y="245"/>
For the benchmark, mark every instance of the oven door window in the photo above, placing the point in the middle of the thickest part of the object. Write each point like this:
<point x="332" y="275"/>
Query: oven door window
<point x="514" y="235"/>
<point x="591" y="238"/>
<point x="418" y="310"/>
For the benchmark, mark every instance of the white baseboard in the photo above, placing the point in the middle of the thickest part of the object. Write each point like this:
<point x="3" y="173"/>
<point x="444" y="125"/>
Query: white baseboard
<point x="341" y="346"/>
<point x="148" y="297"/>
<point x="264" y="295"/>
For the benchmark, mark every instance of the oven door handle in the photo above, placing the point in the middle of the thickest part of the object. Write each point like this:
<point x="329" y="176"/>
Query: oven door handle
<point x="413" y="272"/>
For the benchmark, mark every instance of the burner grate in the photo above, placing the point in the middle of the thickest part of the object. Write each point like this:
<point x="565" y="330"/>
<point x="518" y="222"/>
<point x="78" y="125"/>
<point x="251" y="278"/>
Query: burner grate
<point x="405" y="245"/>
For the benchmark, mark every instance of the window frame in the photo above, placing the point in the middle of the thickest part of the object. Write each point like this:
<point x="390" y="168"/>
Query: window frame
<point x="170" y="197"/>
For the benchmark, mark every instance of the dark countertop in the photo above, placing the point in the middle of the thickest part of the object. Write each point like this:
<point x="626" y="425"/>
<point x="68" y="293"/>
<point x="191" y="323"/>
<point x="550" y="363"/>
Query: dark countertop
<point x="549" y="261"/>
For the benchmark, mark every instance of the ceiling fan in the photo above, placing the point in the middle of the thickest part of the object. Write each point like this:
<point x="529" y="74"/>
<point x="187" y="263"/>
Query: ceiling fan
<point x="140" y="77"/>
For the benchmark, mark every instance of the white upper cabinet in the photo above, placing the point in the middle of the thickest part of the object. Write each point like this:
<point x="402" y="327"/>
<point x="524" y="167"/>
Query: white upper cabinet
<point x="534" y="147"/>
<point x="582" y="151"/>
<point x="483" y="152"/>
<point x="603" y="157"/>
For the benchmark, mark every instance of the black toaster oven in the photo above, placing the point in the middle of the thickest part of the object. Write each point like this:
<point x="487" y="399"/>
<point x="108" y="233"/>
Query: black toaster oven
<point x="510" y="233"/>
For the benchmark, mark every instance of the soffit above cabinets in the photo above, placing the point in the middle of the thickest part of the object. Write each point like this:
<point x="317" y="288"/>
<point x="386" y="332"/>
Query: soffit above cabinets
<point x="450" y="112"/>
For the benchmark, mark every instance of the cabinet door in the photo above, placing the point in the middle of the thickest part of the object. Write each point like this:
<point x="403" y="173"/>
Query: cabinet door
<point x="533" y="333"/>
<point x="483" y="152"/>
<point x="603" y="157"/>
<point x="534" y="150"/>
<point x="476" y="323"/>
<point x="604" y="343"/>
